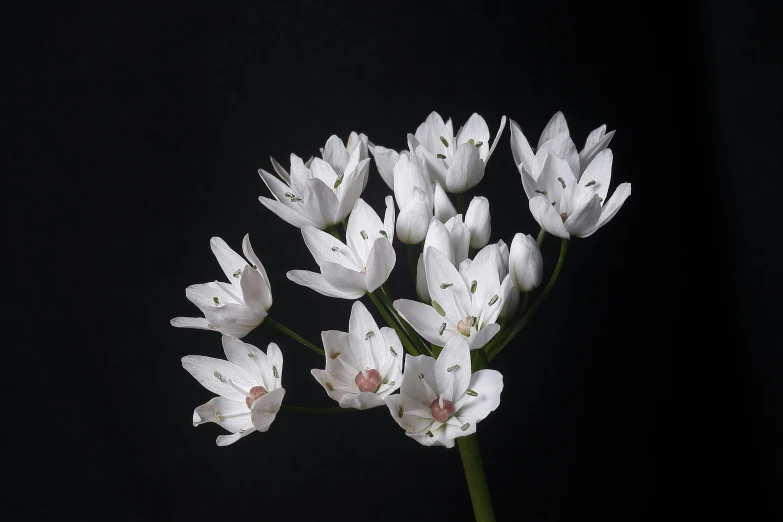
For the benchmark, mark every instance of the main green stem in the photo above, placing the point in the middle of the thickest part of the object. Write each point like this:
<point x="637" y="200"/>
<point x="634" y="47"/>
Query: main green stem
<point x="477" y="481"/>
<point x="403" y="338"/>
<point x="495" y="349"/>
<point x="293" y="335"/>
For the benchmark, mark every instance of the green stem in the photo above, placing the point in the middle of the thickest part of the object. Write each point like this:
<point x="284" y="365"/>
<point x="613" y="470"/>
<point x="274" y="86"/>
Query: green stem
<point x="403" y="338"/>
<point x="321" y="411"/>
<point x="407" y="328"/>
<point x="522" y="321"/>
<point x="461" y="204"/>
<point x="293" y="335"/>
<point x="541" y="237"/>
<point x="336" y="233"/>
<point x="477" y="481"/>
<point x="412" y="261"/>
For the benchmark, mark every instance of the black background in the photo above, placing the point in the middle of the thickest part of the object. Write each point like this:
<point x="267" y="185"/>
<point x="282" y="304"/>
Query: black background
<point x="646" y="388"/>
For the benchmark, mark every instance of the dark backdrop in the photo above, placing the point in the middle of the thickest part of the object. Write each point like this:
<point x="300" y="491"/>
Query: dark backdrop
<point x="644" y="389"/>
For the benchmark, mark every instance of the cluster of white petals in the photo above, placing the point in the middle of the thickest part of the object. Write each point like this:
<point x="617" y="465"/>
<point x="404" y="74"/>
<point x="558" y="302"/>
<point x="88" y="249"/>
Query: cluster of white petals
<point x="567" y="190"/>
<point x="440" y="400"/>
<point x="321" y="192"/>
<point x="364" y="365"/>
<point x="349" y="271"/>
<point x="249" y="385"/>
<point x="233" y="308"/>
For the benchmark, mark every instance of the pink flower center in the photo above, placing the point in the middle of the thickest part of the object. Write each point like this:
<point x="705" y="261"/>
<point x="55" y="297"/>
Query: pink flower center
<point x="463" y="326"/>
<point x="564" y="216"/>
<point x="441" y="413"/>
<point x="255" y="392"/>
<point x="369" y="383"/>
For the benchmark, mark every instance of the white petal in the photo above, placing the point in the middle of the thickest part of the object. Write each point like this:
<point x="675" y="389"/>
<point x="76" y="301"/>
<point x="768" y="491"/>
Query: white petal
<point x="584" y="219"/>
<point x="323" y="171"/>
<point x="477" y="219"/>
<point x="482" y="337"/>
<point x="272" y="367"/>
<point x="361" y="400"/>
<point x="366" y="339"/>
<point x="351" y="188"/>
<point x="556" y="125"/>
<point x="414" y="219"/>
<point x="380" y="263"/>
<point x="388" y="219"/>
<point x="286" y="213"/>
<point x="278" y="189"/>
<point x="280" y="170"/>
<point x="364" y="227"/>
<point x="446" y="285"/>
<point x="439" y="438"/>
<point x="245" y="356"/>
<point x="253" y="285"/>
<point x="215" y="374"/>
<point x="329" y="384"/>
<point x="300" y="173"/>
<point x="522" y="152"/>
<point x="419" y="370"/>
<point x="335" y="154"/>
<point x="265" y="409"/>
<point x="437" y="168"/>
<point x="460" y="238"/>
<point x="229" y="260"/>
<point x="234" y="416"/>
<point x="598" y="174"/>
<point x="236" y="320"/>
<point x="438" y="237"/>
<point x="546" y="216"/>
<point x="320" y="203"/>
<point x="475" y="129"/>
<point x="444" y="208"/>
<point x="484" y="271"/>
<point x="385" y="160"/>
<point x="191" y="322"/>
<point x="611" y="207"/>
<point x="326" y="248"/>
<point x="410" y="423"/>
<point x="423" y="318"/>
<point x="317" y="282"/>
<point x="593" y="148"/>
<point x="510" y="298"/>
<point x="409" y="173"/>
<point x="225" y="440"/>
<point x="466" y="169"/>
<point x="266" y="289"/>
<point x="497" y="137"/>
<point x="452" y="369"/>
<point x="487" y="384"/>
<point x="526" y="264"/>
<point x="344" y="279"/>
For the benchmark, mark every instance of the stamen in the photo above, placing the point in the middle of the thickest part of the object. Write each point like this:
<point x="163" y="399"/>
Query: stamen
<point x="442" y="328"/>
<point x="216" y="301"/>
<point x="274" y="372"/>
<point x="444" y="286"/>
<point x="542" y="192"/>
<point x="438" y="308"/>
<point x="440" y="156"/>
<point x="368" y="335"/>
<point x="334" y="249"/>
<point x="237" y="388"/>
<point x="400" y="410"/>
<point x="335" y="355"/>
<point x="237" y="273"/>
<point x="391" y="349"/>
<point x="383" y="233"/>
<point x="472" y="393"/>
<point x="444" y="142"/>
<point x="473" y="286"/>
<point x="363" y="234"/>
<point x="339" y="181"/>
<point x="590" y="183"/>
<point x="493" y="300"/>
<point x="561" y="181"/>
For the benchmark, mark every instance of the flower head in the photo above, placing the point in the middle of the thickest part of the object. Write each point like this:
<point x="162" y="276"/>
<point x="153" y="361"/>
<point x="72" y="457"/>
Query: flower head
<point x="440" y="400"/>
<point x="456" y="162"/>
<point x="363" y="366"/>
<point x="321" y="193"/>
<point x="362" y="265"/>
<point x="464" y="305"/>
<point x="248" y="384"/>
<point x="233" y="308"/>
<point x="526" y="263"/>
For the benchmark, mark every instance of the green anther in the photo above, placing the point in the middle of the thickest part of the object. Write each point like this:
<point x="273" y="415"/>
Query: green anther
<point x="217" y="416"/>
<point x="442" y="328"/>
<point x="216" y="300"/>
<point x="600" y="200"/>
<point x="334" y="249"/>
<point x="368" y="335"/>
<point x="383" y="233"/>
<point x="473" y="286"/>
<point x="542" y="192"/>
<point x="335" y="355"/>
<point x="439" y="309"/>
<point x="444" y="286"/>
<point x="452" y="368"/>
<point x="471" y="393"/>
<point x="400" y="410"/>
<point x="364" y="234"/>
<point x="237" y="273"/>
<point x="440" y="156"/>
<point x="255" y="267"/>
<point x="329" y="385"/>
<point x="391" y="349"/>
<point x="274" y="372"/>
<point x="472" y="141"/>
<point x="210" y="326"/>
<point x="392" y="383"/>
<point x="465" y="426"/>
<point x="473" y="321"/>
<point x="385" y="380"/>
<point x="289" y="195"/>
<point x="493" y="300"/>
<point x="251" y="355"/>
<point x="219" y="377"/>
<point x="339" y="180"/>
<point x="429" y="433"/>
<point x="553" y="203"/>
<point x="561" y="181"/>
<point x="421" y="376"/>
<point x="479" y="144"/>
<point x="590" y="184"/>
<point x="444" y="142"/>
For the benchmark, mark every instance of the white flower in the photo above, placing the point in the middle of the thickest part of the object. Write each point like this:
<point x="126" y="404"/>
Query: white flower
<point x="236" y="308"/>
<point x="363" y="366"/>
<point x="321" y="194"/>
<point x="249" y="385"/>
<point x="385" y="159"/>
<point x="464" y="305"/>
<point x="452" y="239"/>
<point x="350" y="271"/>
<point x="556" y="140"/>
<point x="569" y="207"/>
<point x="457" y="163"/>
<point x="507" y="290"/>
<point x="526" y="263"/>
<point x="478" y="222"/>
<point x="413" y="192"/>
<point x="440" y="400"/>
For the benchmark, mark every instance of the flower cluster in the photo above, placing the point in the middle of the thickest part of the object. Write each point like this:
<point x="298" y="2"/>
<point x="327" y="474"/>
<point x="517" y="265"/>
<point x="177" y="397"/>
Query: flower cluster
<point x="470" y="290"/>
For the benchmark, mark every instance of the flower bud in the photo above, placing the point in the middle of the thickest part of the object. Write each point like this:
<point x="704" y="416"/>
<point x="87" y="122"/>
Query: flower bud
<point x="477" y="221"/>
<point x="438" y="237"/>
<point x="421" y="282"/>
<point x="460" y="238"/>
<point x="526" y="264"/>
<point x="414" y="218"/>
<point x="444" y="208"/>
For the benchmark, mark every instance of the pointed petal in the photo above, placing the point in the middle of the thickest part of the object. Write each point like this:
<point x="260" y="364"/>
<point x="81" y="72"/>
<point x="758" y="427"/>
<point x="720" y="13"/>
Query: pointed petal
<point x="497" y="137"/>
<point x="326" y="248"/>
<point x="278" y="189"/>
<point x="237" y="320"/>
<point x="320" y="203"/>
<point x="245" y="356"/>
<point x="546" y="216"/>
<point x="410" y="423"/>
<point x="215" y="374"/>
<point x="366" y="339"/>
<point x="584" y="220"/>
<point x="444" y="208"/>
<point x="191" y="322"/>
<point x="344" y="279"/>
<point x="446" y="285"/>
<point x="380" y="263"/>
<point x="556" y="125"/>
<point x="419" y="369"/>
<point x="421" y="281"/>
<point x="361" y="400"/>
<point x="598" y="174"/>
<point x="487" y="386"/>
<point x="484" y="271"/>
<point x="364" y="227"/>
<point x="234" y="416"/>
<point x="317" y="282"/>
<point x="438" y="237"/>
<point x="436" y="167"/>
<point x="226" y="440"/>
<point x="230" y="261"/>
<point x="335" y="154"/>
<point x="280" y="171"/>
<point x="323" y="171"/>
<point x="611" y="207"/>
<point x="522" y="152"/>
<point x="482" y="337"/>
<point x="475" y="129"/>
<point x="423" y="318"/>
<point x="388" y="218"/>
<point x="351" y="188"/>
<point x="265" y="409"/>
<point x="466" y="169"/>
<point x="265" y="289"/>
<point x="299" y="174"/>
<point x="286" y="213"/>
<point x="591" y="150"/>
<point x="452" y="369"/>
<point x="384" y="161"/>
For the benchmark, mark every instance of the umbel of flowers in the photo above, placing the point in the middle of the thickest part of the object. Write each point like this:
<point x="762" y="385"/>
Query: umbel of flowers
<point x="428" y="365"/>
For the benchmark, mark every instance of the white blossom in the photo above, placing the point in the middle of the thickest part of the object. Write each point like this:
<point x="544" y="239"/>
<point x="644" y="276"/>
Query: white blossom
<point x="526" y="263"/>
<point x="477" y="219"/>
